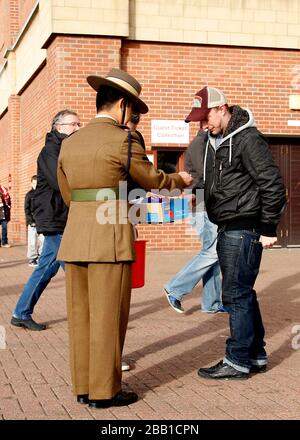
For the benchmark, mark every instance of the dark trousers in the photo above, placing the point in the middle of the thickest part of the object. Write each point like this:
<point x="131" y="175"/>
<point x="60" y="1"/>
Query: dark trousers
<point x="4" y="232"/>
<point x="239" y="255"/>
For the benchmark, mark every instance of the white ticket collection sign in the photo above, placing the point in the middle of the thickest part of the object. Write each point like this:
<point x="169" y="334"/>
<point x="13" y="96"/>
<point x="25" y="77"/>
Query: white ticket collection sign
<point x="169" y="132"/>
<point x="293" y="123"/>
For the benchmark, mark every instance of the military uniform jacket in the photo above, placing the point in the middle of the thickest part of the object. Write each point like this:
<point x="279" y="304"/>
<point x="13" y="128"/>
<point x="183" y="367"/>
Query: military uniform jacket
<point x="96" y="157"/>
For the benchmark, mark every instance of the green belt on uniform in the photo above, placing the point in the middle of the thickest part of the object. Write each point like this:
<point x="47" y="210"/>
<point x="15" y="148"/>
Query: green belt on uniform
<point x="93" y="194"/>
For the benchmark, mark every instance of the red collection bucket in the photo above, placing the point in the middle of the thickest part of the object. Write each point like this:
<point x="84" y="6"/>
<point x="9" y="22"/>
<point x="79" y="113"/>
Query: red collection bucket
<point x="138" y="267"/>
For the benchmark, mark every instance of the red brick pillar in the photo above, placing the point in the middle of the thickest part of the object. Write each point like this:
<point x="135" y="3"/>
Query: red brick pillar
<point x="70" y="59"/>
<point x="14" y="27"/>
<point x="16" y="233"/>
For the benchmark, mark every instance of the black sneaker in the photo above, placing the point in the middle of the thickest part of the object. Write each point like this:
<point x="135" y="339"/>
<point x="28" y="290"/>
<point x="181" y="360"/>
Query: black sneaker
<point x="123" y="398"/>
<point x="33" y="262"/>
<point x="212" y="368"/>
<point x="258" y="369"/>
<point x="222" y="371"/>
<point x="83" y="398"/>
<point x="174" y="303"/>
<point x="30" y="324"/>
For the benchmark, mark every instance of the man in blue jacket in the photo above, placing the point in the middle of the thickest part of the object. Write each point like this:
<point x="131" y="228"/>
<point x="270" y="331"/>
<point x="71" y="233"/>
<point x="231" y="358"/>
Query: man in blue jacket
<point x="244" y="196"/>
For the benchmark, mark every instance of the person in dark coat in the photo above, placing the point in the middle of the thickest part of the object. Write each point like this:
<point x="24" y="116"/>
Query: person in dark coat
<point x="5" y="206"/>
<point x="34" y="240"/>
<point x="50" y="214"/>
<point x="244" y="196"/>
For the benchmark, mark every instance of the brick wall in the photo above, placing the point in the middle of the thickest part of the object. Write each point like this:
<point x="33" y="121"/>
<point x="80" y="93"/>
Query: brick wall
<point x="59" y="84"/>
<point x="13" y="160"/>
<point x="25" y="8"/>
<point x="24" y="127"/>
<point x="260" y="79"/>
<point x="72" y="60"/>
<point x="14" y="14"/>
<point x="4" y="29"/>
<point x="35" y="120"/>
<point x="5" y="141"/>
<point x="14" y="18"/>
<point x="169" y="237"/>
<point x="9" y="24"/>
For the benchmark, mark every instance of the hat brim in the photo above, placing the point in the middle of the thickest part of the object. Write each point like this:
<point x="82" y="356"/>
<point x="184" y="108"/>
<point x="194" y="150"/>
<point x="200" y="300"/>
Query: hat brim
<point x="197" y="115"/>
<point x="97" y="81"/>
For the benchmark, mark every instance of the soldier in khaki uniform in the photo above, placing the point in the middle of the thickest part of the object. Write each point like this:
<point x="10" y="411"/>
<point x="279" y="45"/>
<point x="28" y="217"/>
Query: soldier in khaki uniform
<point x="99" y="256"/>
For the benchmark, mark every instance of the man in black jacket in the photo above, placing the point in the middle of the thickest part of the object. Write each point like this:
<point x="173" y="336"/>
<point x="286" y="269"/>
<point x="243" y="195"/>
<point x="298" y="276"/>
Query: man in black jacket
<point x="50" y="214"/>
<point x="34" y="240"/>
<point x="244" y="196"/>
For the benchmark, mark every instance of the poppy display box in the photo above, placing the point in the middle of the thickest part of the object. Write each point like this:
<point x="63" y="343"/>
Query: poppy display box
<point x="162" y="209"/>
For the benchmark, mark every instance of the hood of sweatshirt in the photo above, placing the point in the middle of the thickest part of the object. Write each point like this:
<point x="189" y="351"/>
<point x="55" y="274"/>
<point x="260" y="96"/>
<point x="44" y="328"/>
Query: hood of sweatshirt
<point x="241" y="118"/>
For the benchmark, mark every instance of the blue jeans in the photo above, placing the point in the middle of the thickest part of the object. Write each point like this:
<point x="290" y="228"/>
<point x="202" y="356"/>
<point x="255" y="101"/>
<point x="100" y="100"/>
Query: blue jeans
<point x="40" y="278"/>
<point x="4" y="232"/>
<point x="240" y="256"/>
<point x="204" y="265"/>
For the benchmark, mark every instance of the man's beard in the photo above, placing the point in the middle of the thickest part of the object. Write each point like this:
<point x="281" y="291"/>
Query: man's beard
<point x="215" y="135"/>
<point x="212" y="134"/>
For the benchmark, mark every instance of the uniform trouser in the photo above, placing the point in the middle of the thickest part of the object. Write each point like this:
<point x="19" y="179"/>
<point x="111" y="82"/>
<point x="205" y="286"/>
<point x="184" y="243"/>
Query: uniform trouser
<point x="98" y="301"/>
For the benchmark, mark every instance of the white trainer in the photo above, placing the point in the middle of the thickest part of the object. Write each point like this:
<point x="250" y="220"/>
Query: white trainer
<point x="125" y="366"/>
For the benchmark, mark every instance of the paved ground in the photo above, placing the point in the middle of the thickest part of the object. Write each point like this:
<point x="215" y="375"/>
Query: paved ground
<point x="164" y="348"/>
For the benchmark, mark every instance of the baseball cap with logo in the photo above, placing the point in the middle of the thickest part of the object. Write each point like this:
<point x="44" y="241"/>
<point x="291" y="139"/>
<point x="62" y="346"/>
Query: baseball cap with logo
<point x="203" y="101"/>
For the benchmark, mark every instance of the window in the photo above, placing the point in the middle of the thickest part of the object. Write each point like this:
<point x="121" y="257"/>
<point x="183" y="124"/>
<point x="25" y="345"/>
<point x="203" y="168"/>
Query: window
<point x="169" y="160"/>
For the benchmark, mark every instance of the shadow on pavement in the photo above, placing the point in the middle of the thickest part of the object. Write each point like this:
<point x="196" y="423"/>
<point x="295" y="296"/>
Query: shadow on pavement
<point x="277" y="297"/>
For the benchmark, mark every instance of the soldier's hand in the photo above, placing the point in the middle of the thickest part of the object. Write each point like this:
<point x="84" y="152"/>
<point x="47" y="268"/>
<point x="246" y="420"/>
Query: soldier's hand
<point x="267" y="242"/>
<point x="186" y="177"/>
